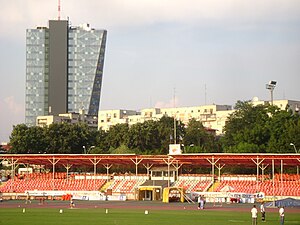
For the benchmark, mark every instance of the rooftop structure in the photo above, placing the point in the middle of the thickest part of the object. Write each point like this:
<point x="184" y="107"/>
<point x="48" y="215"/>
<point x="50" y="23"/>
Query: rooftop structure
<point x="71" y="118"/>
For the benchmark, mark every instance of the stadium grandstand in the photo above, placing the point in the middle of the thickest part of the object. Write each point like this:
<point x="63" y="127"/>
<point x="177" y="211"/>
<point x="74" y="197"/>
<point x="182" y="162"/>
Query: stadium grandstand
<point x="57" y="176"/>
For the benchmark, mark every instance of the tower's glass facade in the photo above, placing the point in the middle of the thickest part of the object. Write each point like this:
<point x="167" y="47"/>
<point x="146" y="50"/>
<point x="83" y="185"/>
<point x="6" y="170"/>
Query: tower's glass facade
<point x="37" y="72"/>
<point x="86" y="57"/>
<point x="86" y="48"/>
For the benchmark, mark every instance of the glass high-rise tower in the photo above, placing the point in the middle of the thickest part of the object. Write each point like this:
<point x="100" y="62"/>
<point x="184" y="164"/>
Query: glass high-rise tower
<point x="64" y="68"/>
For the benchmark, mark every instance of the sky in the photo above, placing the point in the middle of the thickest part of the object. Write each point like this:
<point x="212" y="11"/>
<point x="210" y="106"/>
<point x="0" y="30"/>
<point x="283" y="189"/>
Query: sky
<point x="194" y="51"/>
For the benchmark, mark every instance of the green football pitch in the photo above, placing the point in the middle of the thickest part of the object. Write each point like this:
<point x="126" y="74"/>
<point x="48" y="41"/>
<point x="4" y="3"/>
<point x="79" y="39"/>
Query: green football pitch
<point x="47" y="216"/>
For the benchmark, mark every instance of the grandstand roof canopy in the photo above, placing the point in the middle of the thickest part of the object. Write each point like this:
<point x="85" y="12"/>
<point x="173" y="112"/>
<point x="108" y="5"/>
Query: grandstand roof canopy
<point x="192" y="160"/>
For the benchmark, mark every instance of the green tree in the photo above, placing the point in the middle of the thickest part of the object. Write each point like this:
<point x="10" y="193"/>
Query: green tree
<point x="246" y="128"/>
<point x="143" y="137"/>
<point x="117" y="135"/>
<point x="197" y="138"/>
<point x="56" y="134"/>
<point x="26" y="139"/>
<point x="166" y="133"/>
<point x="80" y="134"/>
<point x="18" y="139"/>
<point x="101" y="143"/>
<point x="67" y="138"/>
<point x="36" y="140"/>
<point x="284" y="129"/>
<point x="122" y="149"/>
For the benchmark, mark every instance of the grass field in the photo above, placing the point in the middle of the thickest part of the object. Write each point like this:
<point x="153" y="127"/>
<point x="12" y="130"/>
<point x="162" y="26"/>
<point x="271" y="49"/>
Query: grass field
<point x="49" y="216"/>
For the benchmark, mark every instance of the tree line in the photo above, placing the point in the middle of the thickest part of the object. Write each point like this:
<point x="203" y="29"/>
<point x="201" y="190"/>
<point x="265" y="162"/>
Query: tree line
<point x="250" y="129"/>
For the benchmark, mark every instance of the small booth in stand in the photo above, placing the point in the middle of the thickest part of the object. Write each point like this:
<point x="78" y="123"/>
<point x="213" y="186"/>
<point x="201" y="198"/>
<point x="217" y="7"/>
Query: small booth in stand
<point x="150" y="193"/>
<point x="173" y="194"/>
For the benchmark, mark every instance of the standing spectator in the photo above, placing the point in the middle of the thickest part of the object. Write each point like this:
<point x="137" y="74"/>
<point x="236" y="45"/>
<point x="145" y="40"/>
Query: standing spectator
<point x="281" y="215"/>
<point x="72" y="203"/>
<point x="27" y="198"/>
<point x="199" y="201"/>
<point x="263" y="212"/>
<point x="254" y="215"/>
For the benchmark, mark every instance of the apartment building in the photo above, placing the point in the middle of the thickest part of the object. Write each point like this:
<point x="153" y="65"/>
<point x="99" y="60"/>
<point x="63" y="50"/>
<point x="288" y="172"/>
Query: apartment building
<point x="213" y="117"/>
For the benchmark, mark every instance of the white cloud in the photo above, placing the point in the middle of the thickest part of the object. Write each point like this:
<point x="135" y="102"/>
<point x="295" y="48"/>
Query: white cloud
<point x="18" y="15"/>
<point x="12" y="106"/>
<point x="11" y="112"/>
<point x="139" y="13"/>
<point x="174" y="102"/>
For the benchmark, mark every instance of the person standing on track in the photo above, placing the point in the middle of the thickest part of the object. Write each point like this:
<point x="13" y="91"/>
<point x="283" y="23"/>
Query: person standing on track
<point x="281" y="215"/>
<point x="254" y="215"/>
<point x="263" y="212"/>
<point x="72" y="203"/>
<point x="199" y="201"/>
<point x="27" y="198"/>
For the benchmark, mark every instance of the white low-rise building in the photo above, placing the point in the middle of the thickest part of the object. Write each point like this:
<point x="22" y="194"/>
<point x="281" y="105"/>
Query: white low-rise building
<point x="72" y="118"/>
<point x="208" y="115"/>
<point x="212" y="116"/>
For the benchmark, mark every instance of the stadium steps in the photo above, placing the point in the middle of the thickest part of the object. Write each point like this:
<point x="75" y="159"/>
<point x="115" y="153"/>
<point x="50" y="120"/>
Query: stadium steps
<point x="214" y="186"/>
<point x="105" y="186"/>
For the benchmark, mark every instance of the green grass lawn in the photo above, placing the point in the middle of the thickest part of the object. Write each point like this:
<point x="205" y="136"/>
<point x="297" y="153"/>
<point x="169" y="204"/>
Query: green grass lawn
<point x="35" y="216"/>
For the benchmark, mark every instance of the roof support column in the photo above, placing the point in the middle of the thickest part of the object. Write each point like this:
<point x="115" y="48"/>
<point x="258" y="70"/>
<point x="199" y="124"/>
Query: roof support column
<point x="257" y="163"/>
<point x="107" y="166"/>
<point x="177" y="168"/>
<point x="136" y="162"/>
<point x="95" y="162"/>
<point x="13" y="167"/>
<point x="12" y="163"/>
<point x="273" y="184"/>
<point x="67" y="167"/>
<point x="169" y="163"/>
<point x="213" y="163"/>
<point x="16" y="166"/>
<point x="219" y="167"/>
<point x="281" y="177"/>
<point x="27" y="171"/>
<point x="53" y="161"/>
<point x="298" y="168"/>
<point x="148" y="167"/>
<point x="262" y="167"/>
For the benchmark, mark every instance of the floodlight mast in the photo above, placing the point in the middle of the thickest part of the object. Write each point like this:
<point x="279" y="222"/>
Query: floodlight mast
<point x="271" y="86"/>
<point x="296" y="151"/>
<point x="58" y="9"/>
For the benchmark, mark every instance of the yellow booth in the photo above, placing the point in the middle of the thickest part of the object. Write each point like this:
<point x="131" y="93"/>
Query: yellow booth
<point x="172" y="194"/>
<point x="150" y="193"/>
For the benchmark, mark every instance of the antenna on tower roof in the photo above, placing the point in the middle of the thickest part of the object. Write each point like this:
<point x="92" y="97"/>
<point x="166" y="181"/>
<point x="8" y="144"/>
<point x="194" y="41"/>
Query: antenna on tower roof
<point x="58" y="9"/>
